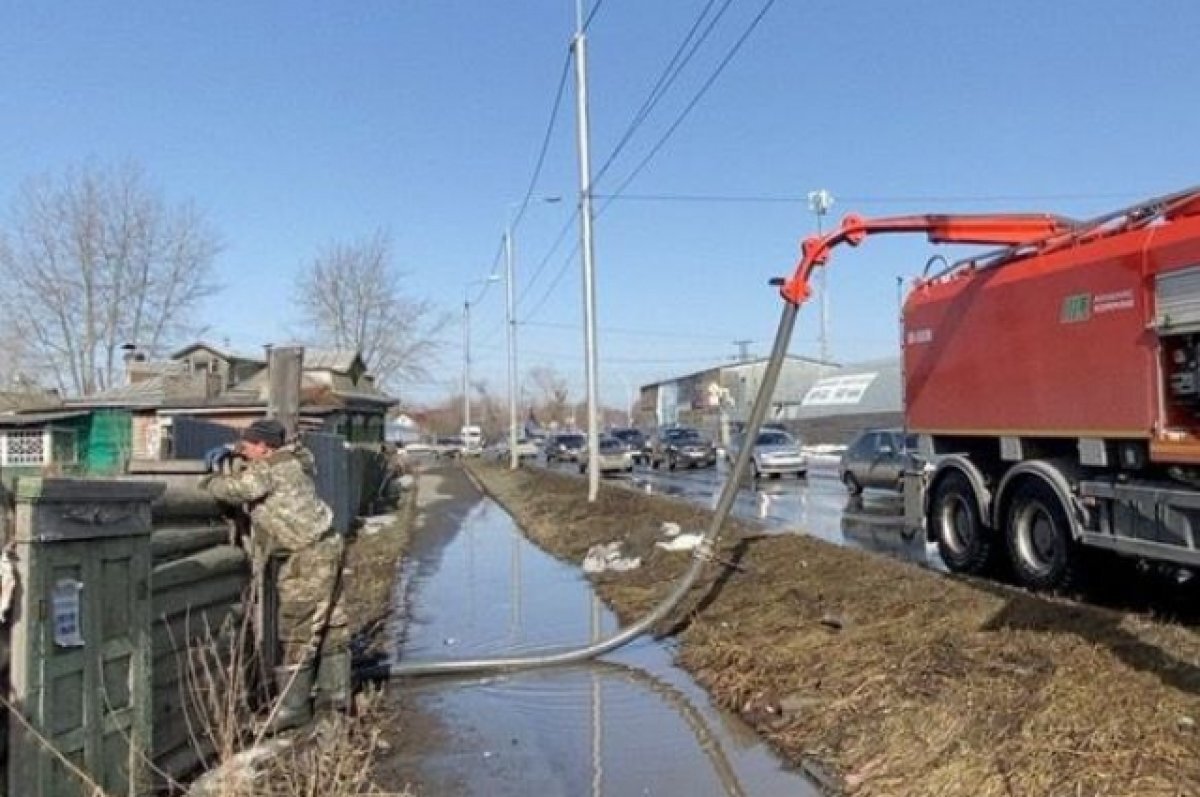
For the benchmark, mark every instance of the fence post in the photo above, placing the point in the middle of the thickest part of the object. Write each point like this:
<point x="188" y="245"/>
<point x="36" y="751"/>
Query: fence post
<point x="81" y="637"/>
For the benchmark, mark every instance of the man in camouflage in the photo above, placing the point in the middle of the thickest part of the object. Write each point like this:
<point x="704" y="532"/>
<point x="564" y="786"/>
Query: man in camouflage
<point x="290" y="521"/>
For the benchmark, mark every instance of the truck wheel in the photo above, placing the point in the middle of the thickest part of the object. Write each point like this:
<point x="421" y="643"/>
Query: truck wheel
<point x="852" y="484"/>
<point x="965" y="545"/>
<point x="1039" y="538"/>
<point x="670" y="462"/>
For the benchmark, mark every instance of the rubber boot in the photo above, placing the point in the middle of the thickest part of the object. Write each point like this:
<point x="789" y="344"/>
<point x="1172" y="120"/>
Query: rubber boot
<point x="333" y="681"/>
<point x="294" y="706"/>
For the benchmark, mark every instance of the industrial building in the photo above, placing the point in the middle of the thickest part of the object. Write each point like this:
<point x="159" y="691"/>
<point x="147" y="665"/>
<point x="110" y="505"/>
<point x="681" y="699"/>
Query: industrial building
<point x="822" y="402"/>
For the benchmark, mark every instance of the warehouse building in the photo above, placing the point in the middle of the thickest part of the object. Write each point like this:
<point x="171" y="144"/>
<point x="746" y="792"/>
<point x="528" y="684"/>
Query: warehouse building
<point x="822" y="402"/>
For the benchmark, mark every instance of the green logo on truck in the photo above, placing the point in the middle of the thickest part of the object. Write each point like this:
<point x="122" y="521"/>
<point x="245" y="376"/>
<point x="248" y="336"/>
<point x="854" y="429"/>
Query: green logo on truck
<point x="1076" y="308"/>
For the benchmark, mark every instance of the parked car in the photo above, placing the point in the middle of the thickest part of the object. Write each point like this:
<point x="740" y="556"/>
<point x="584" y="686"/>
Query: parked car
<point x="878" y="458"/>
<point x="775" y="453"/>
<point x="448" y="446"/>
<point x="613" y="456"/>
<point x="633" y="440"/>
<point x="564" y="447"/>
<point x="682" y="446"/>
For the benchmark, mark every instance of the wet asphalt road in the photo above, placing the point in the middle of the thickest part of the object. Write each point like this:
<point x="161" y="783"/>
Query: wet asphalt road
<point x="817" y="504"/>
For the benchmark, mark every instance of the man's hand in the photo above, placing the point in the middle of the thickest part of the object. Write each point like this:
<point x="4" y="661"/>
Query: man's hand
<point x="214" y="457"/>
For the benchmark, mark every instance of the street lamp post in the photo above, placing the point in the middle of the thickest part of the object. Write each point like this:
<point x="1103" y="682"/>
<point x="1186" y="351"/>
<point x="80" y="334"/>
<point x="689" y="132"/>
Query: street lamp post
<point x="819" y="202"/>
<point x="467" y="343"/>
<point x="514" y="460"/>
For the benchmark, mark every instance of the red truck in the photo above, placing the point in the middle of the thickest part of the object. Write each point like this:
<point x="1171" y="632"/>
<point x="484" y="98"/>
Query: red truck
<point x="1054" y="384"/>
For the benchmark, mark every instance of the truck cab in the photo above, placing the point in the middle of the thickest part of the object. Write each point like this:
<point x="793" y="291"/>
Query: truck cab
<point x="472" y="440"/>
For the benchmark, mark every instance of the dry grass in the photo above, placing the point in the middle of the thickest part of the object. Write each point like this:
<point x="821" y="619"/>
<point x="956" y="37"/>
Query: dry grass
<point x="931" y="686"/>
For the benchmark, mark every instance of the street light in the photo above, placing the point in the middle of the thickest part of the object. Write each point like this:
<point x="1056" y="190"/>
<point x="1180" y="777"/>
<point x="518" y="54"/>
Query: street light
<point x="467" y="343"/>
<point x="514" y="460"/>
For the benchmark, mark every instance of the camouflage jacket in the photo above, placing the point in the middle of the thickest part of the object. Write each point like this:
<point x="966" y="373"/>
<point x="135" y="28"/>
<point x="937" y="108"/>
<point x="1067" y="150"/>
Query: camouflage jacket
<point x="280" y="496"/>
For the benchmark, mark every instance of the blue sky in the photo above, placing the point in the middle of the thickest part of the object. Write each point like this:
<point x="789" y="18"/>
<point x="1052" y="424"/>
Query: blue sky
<point x="294" y="124"/>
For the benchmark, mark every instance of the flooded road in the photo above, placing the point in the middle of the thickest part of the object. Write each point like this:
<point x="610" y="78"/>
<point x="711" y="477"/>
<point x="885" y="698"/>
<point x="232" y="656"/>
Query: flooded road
<point x="817" y="505"/>
<point x="632" y="724"/>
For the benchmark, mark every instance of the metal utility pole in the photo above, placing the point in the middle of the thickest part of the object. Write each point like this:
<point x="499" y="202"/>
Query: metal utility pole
<point x="819" y="202"/>
<point x="587" y="251"/>
<point x="467" y="344"/>
<point x="466" y="413"/>
<point x="510" y="312"/>
<point x="510" y="323"/>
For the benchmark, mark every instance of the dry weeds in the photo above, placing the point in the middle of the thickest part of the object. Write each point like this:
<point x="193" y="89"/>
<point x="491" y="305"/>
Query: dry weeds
<point x="930" y="686"/>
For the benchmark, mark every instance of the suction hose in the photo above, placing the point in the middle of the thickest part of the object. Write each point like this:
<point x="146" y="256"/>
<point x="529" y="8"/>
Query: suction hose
<point x="553" y="658"/>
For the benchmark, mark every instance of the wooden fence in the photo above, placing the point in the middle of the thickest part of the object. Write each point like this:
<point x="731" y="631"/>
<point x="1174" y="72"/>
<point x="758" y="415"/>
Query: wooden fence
<point x="125" y="584"/>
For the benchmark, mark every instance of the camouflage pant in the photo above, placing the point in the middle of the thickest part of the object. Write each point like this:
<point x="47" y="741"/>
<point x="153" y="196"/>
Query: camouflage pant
<point x="311" y="618"/>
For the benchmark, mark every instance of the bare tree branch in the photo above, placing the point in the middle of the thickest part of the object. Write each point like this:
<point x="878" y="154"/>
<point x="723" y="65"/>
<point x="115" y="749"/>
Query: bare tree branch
<point x="96" y="259"/>
<point x="351" y="296"/>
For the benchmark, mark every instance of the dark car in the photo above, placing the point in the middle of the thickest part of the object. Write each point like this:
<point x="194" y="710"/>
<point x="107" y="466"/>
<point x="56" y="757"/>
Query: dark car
<point x="878" y="458"/>
<point x="682" y="446"/>
<point x="633" y="440"/>
<point x="564" y="447"/>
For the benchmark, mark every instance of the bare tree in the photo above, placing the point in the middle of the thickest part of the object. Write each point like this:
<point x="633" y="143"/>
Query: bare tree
<point x="96" y="259"/>
<point x="553" y="390"/>
<point x="351" y="297"/>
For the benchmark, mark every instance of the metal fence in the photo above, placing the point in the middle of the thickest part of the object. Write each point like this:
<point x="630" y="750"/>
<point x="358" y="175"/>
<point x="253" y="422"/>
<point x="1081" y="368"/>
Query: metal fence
<point x="191" y="438"/>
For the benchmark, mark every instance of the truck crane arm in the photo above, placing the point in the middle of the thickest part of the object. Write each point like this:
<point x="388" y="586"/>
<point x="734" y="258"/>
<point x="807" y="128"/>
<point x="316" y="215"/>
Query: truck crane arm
<point x="1004" y="229"/>
<point x="1000" y="230"/>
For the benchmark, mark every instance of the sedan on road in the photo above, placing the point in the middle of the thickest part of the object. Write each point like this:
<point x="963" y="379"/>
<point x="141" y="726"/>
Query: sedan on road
<point x="564" y="447"/>
<point x="775" y="453"/>
<point x="685" y="447"/>
<point x="633" y="440"/>
<point x="878" y="458"/>
<point x="613" y="456"/>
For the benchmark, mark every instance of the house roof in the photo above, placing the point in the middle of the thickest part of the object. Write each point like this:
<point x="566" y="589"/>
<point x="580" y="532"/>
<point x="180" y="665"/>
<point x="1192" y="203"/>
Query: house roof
<point x="39" y="418"/>
<point x="227" y="354"/>
<point x="337" y="360"/>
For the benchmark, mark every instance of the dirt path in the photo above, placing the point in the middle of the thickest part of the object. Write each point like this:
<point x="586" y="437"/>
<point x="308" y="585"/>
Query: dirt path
<point x="897" y="680"/>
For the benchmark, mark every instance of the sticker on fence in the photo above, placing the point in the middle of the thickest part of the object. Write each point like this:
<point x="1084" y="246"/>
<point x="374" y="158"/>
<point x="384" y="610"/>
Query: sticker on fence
<point x="68" y="623"/>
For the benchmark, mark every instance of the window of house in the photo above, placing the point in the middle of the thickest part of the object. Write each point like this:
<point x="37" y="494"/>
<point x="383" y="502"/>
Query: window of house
<point x="24" y="448"/>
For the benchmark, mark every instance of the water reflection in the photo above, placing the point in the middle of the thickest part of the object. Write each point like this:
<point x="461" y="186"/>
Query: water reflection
<point x="632" y="724"/>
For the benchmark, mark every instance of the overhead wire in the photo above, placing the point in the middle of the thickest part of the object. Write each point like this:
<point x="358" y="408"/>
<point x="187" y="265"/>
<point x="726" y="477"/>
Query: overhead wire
<point x="733" y="51"/>
<point x="672" y="71"/>
<point x="741" y="40"/>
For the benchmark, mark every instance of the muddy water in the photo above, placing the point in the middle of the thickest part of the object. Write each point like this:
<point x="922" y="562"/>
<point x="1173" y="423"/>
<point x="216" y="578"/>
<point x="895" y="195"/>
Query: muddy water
<point x="632" y="724"/>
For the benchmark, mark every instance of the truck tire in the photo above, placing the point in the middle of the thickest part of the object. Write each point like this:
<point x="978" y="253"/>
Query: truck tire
<point x="965" y="544"/>
<point x="852" y="485"/>
<point x="1040" y="545"/>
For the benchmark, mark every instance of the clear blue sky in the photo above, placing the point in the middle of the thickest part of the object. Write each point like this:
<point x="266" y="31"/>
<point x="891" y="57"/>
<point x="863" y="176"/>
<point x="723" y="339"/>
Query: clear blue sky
<point x="294" y="124"/>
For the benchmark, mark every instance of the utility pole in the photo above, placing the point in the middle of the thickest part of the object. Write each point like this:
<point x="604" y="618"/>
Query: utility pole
<point x="587" y="252"/>
<point x="466" y="387"/>
<point x="819" y="202"/>
<point x="743" y="350"/>
<point x="510" y="313"/>
<point x="467" y="344"/>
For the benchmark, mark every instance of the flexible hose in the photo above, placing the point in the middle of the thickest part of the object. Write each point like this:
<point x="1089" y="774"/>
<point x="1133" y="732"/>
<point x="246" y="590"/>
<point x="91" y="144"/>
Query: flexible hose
<point x="551" y="658"/>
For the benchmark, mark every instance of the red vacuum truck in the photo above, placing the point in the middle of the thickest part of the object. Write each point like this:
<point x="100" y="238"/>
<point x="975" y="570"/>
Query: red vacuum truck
<point x="1054" y="383"/>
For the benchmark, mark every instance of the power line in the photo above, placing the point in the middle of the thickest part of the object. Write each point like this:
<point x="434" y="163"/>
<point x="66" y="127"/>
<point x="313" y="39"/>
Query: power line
<point x="562" y="235"/>
<point x="654" y="333"/>
<point x="737" y="46"/>
<point x="665" y="79"/>
<point x="865" y="199"/>
<point x="592" y="14"/>
<point x="550" y="124"/>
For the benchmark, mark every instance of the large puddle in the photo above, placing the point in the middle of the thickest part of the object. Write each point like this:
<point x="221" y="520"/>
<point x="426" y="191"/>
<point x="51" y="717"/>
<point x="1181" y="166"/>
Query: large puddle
<point x="631" y="724"/>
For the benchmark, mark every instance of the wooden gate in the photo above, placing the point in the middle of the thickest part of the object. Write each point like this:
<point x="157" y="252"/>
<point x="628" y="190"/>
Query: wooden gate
<point x="81" y="640"/>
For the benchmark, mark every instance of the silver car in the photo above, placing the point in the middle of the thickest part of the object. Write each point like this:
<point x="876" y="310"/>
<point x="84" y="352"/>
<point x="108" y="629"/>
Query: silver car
<point x="612" y="456"/>
<point x="878" y="458"/>
<point x="775" y="453"/>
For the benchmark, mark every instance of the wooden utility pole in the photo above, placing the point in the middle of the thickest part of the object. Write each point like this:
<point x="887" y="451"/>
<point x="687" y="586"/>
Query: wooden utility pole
<point x="285" y="365"/>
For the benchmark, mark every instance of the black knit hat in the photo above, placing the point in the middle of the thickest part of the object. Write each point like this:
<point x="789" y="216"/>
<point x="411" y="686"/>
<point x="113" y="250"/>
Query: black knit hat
<point x="265" y="431"/>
